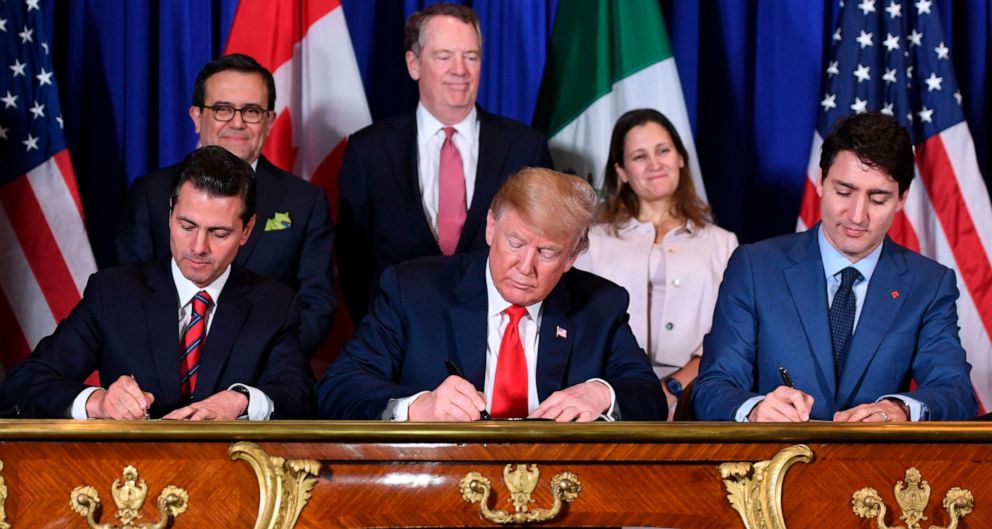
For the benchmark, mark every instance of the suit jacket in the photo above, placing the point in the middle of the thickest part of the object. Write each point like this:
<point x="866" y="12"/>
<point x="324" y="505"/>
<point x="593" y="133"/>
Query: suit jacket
<point x="381" y="219"/>
<point x="298" y="256"/>
<point x="433" y="309"/>
<point x="127" y="324"/>
<point x="772" y="312"/>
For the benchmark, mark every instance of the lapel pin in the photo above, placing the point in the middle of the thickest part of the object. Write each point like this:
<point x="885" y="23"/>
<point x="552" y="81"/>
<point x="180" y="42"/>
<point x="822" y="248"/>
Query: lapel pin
<point x="560" y="333"/>
<point x="894" y="294"/>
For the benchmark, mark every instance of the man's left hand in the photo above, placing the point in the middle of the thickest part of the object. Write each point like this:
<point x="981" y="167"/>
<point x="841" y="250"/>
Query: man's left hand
<point x="226" y="405"/>
<point x="583" y="402"/>
<point x="882" y="411"/>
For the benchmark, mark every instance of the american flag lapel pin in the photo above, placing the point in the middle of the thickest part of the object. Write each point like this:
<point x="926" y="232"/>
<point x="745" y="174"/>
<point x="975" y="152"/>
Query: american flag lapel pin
<point x="560" y="333"/>
<point x="894" y="294"/>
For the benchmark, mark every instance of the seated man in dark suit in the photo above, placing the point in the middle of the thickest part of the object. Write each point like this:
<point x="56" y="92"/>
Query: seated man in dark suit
<point x="851" y="315"/>
<point x="539" y="340"/>
<point x="420" y="183"/>
<point x="233" y="98"/>
<point x="191" y="336"/>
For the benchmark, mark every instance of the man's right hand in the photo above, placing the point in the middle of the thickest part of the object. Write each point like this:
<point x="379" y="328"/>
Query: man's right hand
<point x="456" y="399"/>
<point x="784" y="404"/>
<point x="122" y="401"/>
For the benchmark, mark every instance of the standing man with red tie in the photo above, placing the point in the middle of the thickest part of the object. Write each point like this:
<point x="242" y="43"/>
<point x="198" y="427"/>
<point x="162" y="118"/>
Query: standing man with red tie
<point x="192" y="336"/>
<point x="538" y="339"/>
<point x="419" y="184"/>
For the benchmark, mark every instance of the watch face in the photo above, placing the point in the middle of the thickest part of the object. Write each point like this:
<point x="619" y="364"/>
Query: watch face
<point x="674" y="386"/>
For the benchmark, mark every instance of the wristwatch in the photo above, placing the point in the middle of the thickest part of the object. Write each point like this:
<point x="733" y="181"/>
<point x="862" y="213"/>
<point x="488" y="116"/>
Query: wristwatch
<point x="244" y="391"/>
<point x="674" y="386"/>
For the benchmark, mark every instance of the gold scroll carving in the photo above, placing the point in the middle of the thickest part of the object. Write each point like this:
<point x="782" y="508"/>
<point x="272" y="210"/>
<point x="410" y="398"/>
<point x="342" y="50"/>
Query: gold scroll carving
<point x="284" y="485"/>
<point x="520" y="482"/>
<point x="755" y="490"/>
<point x="3" y="502"/>
<point x="912" y="494"/>
<point x="129" y="494"/>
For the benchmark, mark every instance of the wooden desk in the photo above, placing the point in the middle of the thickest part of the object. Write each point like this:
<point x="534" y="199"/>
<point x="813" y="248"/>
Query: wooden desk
<point x="372" y="474"/>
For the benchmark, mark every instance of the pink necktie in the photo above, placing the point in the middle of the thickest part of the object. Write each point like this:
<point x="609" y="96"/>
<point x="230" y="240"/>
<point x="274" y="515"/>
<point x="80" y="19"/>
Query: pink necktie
<point x="451" y="208"/>
<point x="510" y="386"/>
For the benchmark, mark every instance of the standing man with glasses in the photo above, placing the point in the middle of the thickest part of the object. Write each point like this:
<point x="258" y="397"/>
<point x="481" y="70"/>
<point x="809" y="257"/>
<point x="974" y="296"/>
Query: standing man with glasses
<point x="233" y="102"/>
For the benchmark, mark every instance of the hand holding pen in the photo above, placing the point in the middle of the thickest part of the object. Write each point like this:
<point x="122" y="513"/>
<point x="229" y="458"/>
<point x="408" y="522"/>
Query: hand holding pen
<point x="784" y="404"/>
<point x="456" y="399"/>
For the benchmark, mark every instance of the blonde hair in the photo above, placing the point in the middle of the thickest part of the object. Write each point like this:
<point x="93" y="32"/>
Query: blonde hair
<point x="554" y="204"/>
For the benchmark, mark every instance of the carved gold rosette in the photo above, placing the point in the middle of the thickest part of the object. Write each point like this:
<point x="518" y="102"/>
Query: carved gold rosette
<point x="129" y="494"/>
<point x="520" y="482"/>
<point x="284" y="485"/>
<point x="755" y="490"/>
<point x="912" y="494"/>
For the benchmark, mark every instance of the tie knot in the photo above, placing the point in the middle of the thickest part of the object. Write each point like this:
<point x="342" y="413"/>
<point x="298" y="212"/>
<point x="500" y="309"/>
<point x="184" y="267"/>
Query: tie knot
<point x="201" y="301"/>
<point x="448" y="133"/>
<point x="515" y="312"/>
<point x="848" y="276"/>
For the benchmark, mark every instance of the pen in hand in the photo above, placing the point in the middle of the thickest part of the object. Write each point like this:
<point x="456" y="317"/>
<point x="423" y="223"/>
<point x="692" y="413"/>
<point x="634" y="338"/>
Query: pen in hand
<point x="147" y="414"/>
<point x="453" y="370"/>
<point x="786" y="379"/>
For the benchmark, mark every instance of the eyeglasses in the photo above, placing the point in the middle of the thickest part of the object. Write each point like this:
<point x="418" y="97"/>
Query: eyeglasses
<point x="249" y="113"/>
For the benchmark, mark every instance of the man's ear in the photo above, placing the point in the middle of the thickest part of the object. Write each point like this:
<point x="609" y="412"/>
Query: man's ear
<point x="819" y="183"/>
<point x="247" y="231"/>
<point x="413" y="65"/>
<point x="490" y="226"/>
<point x="194" y="113"/>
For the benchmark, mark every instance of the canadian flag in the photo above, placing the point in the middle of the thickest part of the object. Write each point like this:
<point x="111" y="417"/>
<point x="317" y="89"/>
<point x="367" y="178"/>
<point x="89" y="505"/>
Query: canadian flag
<point x="320" y="99"/>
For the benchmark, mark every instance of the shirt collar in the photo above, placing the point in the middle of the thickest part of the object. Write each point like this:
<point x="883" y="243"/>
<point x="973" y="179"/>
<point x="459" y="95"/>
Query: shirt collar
<point x="187" y="289"/>
<point x="428" y="125"/>
<point x="834" y="261"/>
<point x="632" y="223"/>
<point x="496" y="303"/>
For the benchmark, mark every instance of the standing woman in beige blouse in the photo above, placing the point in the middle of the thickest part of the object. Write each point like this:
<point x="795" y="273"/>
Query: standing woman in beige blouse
<point x="655" y="237"/>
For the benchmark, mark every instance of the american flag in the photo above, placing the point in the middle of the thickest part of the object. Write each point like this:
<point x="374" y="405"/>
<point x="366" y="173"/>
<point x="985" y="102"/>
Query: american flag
<point x="890" y="56"/>
<point x="45" y="256"/>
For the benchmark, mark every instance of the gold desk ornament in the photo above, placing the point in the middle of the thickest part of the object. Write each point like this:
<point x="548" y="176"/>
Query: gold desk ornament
<point x="3" y="502"/>
<point x="755" y="490"/>
<point x="520" y="482"/>
<point x="129" y="495"/>
<point x="912" y="494"/>
<point x="283" y="484"/>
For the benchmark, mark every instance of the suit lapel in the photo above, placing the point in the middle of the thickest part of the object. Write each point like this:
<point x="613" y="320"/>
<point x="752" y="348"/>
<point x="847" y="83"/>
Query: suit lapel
<point x="269" y="190"/>
<point x="229" y="317"/>
<point x="162" y="318"/>
<point x="403" y="157"/>
<point x="493" y="149"/>
<point x="467" y="327"/>
<point x="555" y="343"/>
<point x="808" y="288"/>
<point x="877" y="314"/>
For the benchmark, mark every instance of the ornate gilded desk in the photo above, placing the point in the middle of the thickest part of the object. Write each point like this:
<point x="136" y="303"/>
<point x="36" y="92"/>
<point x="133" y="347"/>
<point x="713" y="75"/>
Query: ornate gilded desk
<point x="66" y="474"/>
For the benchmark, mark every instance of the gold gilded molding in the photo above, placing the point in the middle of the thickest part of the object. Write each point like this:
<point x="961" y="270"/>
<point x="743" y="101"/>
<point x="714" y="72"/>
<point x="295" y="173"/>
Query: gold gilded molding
<point x="3" y="501"/>
<point x="520" y="482"/>
<point x="912" y="494"/>
<point x="755" y="490"/>
<point x="283" y="484"/>
<point x="129" y="495"/>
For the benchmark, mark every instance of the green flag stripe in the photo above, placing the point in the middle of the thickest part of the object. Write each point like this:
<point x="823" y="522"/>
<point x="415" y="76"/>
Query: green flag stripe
<point x="595" y="43"/>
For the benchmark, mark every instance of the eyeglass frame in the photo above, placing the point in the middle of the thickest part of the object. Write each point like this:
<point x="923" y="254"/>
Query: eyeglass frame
<point x="236" y="110"/>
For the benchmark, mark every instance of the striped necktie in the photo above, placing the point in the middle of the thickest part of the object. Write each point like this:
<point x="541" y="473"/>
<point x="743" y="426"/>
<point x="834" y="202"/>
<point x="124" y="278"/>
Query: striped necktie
<point x="194" y="335"/>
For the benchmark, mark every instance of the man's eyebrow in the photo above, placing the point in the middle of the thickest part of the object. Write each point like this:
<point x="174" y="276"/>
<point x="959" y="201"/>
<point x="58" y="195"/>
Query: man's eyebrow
<point x="879" y="192"/>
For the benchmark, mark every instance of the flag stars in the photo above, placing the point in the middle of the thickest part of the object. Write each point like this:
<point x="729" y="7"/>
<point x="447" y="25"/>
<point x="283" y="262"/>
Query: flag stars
<point x="829" y="101"/>
<point x="888" y="110"/>
<point x="3" y="25"/>
<point x="837" y="37"/>
<point x="18" y="67"/>
<point x="3" y="132"/>
<point x="859" y="105"/>
<point x="864" y="39"/>
<point x="32" y="4"/>
<point x="890" y="75"/>
<point x="59" y="121"/>
<point x="957" y="97"/>
<point x="891" y="42"/>
<point x="909" y="72"/>
<point x="38" y="110"/>
<point x="31" y="143"/>
<point x="862" y="73"/>
<point x="26" y="35"/>
<point x="832" y="69"/>
<point x="933" y="82"/>
<point x="915" y="38"/>
<point x="10" y="101"/>
<point x="44" y="77"/>
<point x="942" y="51"/>
<point x="867" y="6"/>
<point x="923" y="7"/>
<point x="894" y="10"/>
<point x="44" y="46"/>
<point x="926" y="114"/>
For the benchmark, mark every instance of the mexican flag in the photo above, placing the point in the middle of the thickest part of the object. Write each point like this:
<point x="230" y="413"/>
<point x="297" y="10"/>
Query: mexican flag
<point x="607" y="57"/>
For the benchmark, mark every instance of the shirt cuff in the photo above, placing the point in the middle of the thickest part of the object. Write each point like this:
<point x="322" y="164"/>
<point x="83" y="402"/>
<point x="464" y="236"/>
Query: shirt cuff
<point x="917" y="410"/>
<point x="260" y="406"/>
<point x="78" y="410"/>
<point x="745" y="409"/>
<point x="610" y="414"/>
<point x="399" y="409"/>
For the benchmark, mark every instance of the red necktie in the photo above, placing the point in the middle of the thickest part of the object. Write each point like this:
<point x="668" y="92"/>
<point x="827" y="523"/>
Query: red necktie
<point x="451" y="208"/>
<point x="510" y="387"/>
<point x="193" y="338"/>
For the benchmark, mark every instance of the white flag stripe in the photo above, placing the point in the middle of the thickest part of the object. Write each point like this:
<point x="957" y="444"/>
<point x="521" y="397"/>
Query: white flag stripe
<point x="961" y="152"/>
<point x="20" y="287"/>
<point x="656" y="86"/>
<point x="63" y="220"/>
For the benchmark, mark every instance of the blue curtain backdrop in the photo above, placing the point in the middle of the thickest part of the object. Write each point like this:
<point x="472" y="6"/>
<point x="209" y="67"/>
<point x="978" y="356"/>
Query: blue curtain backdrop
<point x="751" y="73"/>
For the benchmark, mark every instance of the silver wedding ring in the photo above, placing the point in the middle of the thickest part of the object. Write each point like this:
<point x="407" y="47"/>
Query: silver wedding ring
<point x="885" y="416"/>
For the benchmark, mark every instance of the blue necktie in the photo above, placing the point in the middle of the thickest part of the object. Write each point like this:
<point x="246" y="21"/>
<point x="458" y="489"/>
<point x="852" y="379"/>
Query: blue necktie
<point x="842" y="317"/>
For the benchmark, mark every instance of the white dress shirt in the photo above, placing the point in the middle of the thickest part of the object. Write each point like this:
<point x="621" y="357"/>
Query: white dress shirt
<point x="430" y="138"/>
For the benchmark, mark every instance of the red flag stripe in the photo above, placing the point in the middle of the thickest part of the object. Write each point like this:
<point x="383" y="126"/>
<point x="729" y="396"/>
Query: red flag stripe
<point x="64" y="164"/>
<point x="969" y="253"/>
<point x="279" y="17"/>
<point x="39" y="246"/>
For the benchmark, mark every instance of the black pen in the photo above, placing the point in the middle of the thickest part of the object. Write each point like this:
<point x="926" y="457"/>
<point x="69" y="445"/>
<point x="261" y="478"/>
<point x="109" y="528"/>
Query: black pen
<point x="453" y="370"/>
<point x="786" y="379"/>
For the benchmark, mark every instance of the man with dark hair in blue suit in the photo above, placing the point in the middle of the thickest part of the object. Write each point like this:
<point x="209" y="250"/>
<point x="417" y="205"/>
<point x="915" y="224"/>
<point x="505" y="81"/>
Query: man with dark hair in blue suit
<point x="853" y="317"/>
<point x="189" y="336"/>
<point x="233" y="102"/>
<point x="420" y="183"/>
<point x="512" y="332"/>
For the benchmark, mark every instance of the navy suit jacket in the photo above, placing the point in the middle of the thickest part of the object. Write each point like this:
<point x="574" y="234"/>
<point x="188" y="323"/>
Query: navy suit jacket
<point x="433" y="309"/>
<point x="772" y="312"/>
<point x="381" y="220"/>
<point x="127" y="324"/>
<point x="298" y="256"/>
